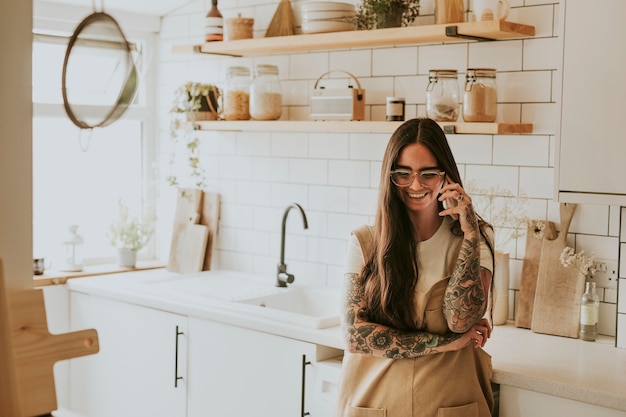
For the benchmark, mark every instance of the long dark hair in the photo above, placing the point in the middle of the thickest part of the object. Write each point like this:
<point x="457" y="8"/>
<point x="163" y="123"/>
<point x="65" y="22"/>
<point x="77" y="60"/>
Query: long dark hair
<point x="391" y="271"/>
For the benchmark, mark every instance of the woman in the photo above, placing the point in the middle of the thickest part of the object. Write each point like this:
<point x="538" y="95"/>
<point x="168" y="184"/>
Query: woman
<point x="416" y="290"/>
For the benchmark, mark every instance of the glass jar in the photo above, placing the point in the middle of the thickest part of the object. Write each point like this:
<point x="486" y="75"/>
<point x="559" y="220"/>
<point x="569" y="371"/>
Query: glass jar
<point x="442" y="95"/>
<point x="479" y="97"/>
<point x="394" y="109"/>
<point x="236" y="105"/>
<point x="265" y="93"/>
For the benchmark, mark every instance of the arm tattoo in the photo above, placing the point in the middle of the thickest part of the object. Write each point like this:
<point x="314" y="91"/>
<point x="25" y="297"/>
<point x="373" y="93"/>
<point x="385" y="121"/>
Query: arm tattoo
<point x="465" y="299"/>
<point x="382" y="341"/>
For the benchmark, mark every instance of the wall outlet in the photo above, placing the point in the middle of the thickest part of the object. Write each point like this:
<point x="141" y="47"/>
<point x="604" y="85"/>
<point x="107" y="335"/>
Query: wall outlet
<point x="606" y="273"/>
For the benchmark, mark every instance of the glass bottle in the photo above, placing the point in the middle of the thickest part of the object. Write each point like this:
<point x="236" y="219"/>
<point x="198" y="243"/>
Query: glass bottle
<point x="442" y="95"/>
<point x="73" y="258"/>
<point x="265" y="93"/>
<point x="236" y="104"/>
<point x="213" y="24"/>
<point x="479" y="97"/>
<point x="589" y="310"/>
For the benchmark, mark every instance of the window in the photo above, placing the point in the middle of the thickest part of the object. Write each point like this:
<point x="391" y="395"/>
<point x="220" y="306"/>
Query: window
<point x="79" y="176"/>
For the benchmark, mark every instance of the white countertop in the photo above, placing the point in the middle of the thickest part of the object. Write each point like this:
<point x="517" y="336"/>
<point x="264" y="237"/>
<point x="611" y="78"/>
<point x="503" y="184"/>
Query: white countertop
<point x="591" y="372"/>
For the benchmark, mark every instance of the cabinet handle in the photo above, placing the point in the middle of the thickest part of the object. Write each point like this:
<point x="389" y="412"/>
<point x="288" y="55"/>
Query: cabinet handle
<point x="304" y="364"/>
<point x="176" y="377"/>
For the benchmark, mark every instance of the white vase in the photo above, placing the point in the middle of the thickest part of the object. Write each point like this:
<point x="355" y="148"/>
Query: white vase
<point x="501" y="289"/>
<point x="126" y="258"/>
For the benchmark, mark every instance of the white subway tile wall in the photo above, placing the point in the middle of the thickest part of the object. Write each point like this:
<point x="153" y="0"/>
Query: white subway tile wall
<point x="335" y="176"/>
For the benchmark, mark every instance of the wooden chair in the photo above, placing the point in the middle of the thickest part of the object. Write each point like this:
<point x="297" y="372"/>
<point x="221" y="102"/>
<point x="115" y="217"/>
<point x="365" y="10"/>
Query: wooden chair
<point x="28" y="352"/>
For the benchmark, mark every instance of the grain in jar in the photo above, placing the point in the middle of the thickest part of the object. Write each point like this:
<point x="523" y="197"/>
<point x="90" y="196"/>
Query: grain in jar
<point x="236" y="105"/>
<point x="442" y="95"/>
<point x="479" y="97"/>
<point x="265" y="93"/>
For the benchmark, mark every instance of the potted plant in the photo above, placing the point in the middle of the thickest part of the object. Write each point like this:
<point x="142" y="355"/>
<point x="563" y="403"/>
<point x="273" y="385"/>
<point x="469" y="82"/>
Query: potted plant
<point x="129" y="234"/>
<point x="197" y="101"/>
<point x="378" y="14"/>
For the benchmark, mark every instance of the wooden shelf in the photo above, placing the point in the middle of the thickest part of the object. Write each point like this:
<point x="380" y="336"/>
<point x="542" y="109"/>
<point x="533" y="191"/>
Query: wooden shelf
<point x="354" y="127"/>
<point x="461" y="32"/>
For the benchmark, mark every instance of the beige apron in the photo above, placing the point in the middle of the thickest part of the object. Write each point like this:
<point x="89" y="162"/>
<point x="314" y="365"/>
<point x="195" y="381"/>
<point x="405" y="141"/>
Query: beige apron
<point x="448" y="384"/>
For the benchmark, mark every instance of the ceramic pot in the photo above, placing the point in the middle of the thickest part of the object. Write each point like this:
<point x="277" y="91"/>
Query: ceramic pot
<point x="126" y="258"/>
<point x="501" y="288"/>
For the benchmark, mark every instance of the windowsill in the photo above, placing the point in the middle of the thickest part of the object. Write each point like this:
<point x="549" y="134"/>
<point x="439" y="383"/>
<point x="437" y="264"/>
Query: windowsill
<point x="53" y="277"/>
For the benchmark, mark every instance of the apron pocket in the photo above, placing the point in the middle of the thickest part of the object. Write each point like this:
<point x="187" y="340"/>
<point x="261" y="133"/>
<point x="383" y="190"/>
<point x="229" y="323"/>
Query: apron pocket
<point x="365" y="412"/>
<point x="468" y="410"/>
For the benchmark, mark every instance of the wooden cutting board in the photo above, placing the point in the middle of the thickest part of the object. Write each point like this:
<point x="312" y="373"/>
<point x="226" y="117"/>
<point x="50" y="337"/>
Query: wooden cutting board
<point x="188" y="248"/>
<point x="559" y="289"/>
<point x="189" y="239"/>
<point x="530" y="269"/>
<point x="210" y="216"/>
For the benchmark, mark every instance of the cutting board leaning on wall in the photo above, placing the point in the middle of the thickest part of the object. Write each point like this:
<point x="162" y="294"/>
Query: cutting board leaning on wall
<point x="194" y="231"/>
<point x="530" y="269"/>
<point x="559" y="289"/>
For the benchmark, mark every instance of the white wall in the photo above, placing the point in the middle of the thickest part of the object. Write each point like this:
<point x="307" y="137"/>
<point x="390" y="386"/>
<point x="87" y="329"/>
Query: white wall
<point x="335" y="176"/>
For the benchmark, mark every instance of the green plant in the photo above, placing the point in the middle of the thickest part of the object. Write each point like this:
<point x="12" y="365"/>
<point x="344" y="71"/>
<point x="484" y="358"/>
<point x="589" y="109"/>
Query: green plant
<point x="127" y="232"/>
<point x="376" y="14"/>
<point x="190" y="99"/>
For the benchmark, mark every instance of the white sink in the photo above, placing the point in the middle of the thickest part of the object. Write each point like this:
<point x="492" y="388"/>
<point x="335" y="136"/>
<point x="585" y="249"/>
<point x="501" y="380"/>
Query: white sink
<point x="255" y="295"/>
<point x="222" y="285"/>
<point x="311" y="307"/>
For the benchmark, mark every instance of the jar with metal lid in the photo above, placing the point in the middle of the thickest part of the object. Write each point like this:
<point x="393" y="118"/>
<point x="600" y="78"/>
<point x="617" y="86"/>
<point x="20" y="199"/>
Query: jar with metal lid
<point x="265" y="93"/>
<point x="479" y="97"/>
<point x="442" y="95"/>
<point x="236" y="104"/>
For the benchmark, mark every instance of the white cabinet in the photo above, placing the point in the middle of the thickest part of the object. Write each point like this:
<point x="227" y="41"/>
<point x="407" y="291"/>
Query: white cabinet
<point x="238" y="372"/>
<point x="140" y="369"/>
<point x="591" y="158"/>
<point x="517" y="402"/>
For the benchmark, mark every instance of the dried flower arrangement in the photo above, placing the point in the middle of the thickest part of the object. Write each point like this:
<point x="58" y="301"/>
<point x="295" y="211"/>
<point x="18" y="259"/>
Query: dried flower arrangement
<point x="585" y="264"/>
<point x="505" y="211"/>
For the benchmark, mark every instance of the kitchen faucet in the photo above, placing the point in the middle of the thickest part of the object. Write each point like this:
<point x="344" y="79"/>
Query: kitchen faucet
<point x="282" y="277"/>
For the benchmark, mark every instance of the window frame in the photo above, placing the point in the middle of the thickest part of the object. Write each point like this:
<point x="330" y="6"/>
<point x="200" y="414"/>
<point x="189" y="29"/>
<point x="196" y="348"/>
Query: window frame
<point x="56" y="24"/>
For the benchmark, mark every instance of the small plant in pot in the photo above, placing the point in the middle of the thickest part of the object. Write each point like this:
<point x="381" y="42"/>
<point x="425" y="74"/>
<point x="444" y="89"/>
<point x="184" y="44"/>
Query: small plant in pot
<point x="197" y="102"/>
<point x="379" y="14"/>
<point x="129" y="234"/>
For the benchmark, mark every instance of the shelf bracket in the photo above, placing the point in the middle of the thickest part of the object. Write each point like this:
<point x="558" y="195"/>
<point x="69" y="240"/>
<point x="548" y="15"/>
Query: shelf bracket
<point x="197" y="49"/>
<point x="453" y="32"/>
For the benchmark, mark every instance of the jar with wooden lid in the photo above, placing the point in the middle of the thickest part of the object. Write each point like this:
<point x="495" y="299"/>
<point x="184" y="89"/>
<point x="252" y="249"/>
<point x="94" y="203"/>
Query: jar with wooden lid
<point x="236" y="105"/>
<point x="480" y="98"/>
<point x="239" y="28"/>
<point x="265" y="93"/>
<point x="442" y="95"/>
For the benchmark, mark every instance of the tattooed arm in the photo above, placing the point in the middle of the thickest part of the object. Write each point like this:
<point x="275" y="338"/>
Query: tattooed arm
<point x="465" y="300"/>
<point x="385" y="342"/>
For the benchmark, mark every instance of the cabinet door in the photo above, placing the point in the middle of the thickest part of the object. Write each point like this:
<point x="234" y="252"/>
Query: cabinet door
<point x="592" y="147"/>
<point x="236" y="372"/>
<point x="134" y="374"/>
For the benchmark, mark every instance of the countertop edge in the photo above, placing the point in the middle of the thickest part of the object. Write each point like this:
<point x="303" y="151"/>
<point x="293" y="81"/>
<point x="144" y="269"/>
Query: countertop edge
<point x="551" y="376"/>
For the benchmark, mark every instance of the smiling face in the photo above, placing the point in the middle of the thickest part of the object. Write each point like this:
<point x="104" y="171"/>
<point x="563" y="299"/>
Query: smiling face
<point x="417" y="197"/>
